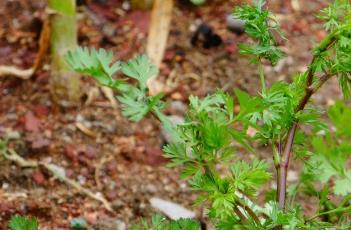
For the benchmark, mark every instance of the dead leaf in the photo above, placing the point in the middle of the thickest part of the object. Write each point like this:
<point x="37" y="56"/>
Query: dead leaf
<point x="86" y="130"/>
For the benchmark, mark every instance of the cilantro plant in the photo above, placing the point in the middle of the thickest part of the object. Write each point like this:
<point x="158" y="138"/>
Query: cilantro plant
<point x="204" y="146"/>
<point x="159" y="222"/>
<point x="23" y="223"/>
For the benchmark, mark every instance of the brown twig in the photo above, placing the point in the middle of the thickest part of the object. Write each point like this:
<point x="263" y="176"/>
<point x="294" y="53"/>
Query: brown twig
<point x="25" y="74"/>
<point x="11" y="155"/>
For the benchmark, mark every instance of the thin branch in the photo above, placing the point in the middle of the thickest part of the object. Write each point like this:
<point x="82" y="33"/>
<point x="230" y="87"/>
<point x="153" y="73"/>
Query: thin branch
<point x="25" y="74"/>
<point x="277" y="152"/>
<point x="341" y="209"/>
<point x="241" y="215"/>
<point x="309" y="91"/>
<point x="321" y="81"/>
<point x="346" y="200"/>
<point x="284" y="164"/>
<point x="263" y="82"/>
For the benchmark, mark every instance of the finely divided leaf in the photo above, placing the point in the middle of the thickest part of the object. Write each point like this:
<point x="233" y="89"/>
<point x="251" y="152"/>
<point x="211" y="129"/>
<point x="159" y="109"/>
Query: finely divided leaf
<point x="95" y="63"/>
<point x="141" y="69"/>
<point x="23" y="223"/>
<point x="248" y="177"/>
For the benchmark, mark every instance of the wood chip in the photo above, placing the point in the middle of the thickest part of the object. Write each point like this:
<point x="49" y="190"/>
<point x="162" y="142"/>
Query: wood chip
<point x="86" y="130"/>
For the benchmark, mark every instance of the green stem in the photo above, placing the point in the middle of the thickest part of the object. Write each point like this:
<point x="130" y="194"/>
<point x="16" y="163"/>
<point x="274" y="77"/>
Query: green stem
<point x="250" y="212"/>
<point x="346" y="200"/>
<point x="241" y="215"/>
<point x="64" y="83"/>
<point x="330" y="212"/>
<point x="263" y="82"/>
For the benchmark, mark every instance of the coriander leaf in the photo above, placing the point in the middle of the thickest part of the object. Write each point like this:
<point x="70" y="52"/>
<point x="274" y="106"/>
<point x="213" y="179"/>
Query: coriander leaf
<point x="343" y="186"/>
<point x="95" y="63"/>
<point x="248" y="177"/>
<point x="141" y="69"/>
<point x="23" y="223"/>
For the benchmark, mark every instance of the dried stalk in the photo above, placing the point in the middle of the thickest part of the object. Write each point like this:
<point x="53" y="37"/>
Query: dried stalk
<point x="53" y="169"/>
<point x="25" y="74"/>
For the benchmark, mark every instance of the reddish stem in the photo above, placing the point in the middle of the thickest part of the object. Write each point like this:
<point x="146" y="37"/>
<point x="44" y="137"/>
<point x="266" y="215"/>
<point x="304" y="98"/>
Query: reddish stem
<point x="284" y="164"/>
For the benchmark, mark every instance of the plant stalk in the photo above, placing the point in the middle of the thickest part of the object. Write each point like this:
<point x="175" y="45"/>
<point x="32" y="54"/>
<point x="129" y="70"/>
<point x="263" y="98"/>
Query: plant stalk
<point x="241" y="215"/>
<point x="263" y="82"/>
<point x="250" y="212"/>
<point x="309" y="91"/>
<point x="341" y="209"/>
<point x="284" y="164"/>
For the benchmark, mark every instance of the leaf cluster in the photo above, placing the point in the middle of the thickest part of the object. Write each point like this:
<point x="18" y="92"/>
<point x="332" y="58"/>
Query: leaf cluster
<point x="136" y="104"/>
<point x="159" y="222"/>
<point x="331" y="153"/>
<point x="206" y="135"/>
<point x="259" y="25"/>
<point x="23" y="223"/>
<point x="206" y="143"/>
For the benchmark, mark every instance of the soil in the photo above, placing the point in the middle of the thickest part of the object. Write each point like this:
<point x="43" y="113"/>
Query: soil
<point x="117" y="158"/>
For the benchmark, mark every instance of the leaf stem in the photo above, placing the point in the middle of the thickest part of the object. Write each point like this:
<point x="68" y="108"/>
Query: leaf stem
<point x="346" y="200"/>
<point x="341" y="209"/>
<point x="263" y="82"/>
<point x="250" y="212"/>
<point x="241" y="215"/>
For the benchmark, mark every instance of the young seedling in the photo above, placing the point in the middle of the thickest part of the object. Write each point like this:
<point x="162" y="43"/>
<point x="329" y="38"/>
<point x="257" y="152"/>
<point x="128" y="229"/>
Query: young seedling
<point x="205" y="142"/>
<point x="23" y="223"/>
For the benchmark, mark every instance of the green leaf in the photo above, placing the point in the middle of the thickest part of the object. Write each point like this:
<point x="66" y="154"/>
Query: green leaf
<point x="134" y="108"/>
<point x="260" y="25"/>
<point x="343" y="186"/>
<point x="95" y="63"/>
<point x="141" y="69"/>
<point x="184" y="224"/>
<point x="345" y="84"/>
<point x="247" y="104"/>
<point x="159" y="222"/>
<point x="23" y="223"/>
<point x="177" y="153"/>
<point x="340" y="115"/>
<point x="248" y="177"/>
